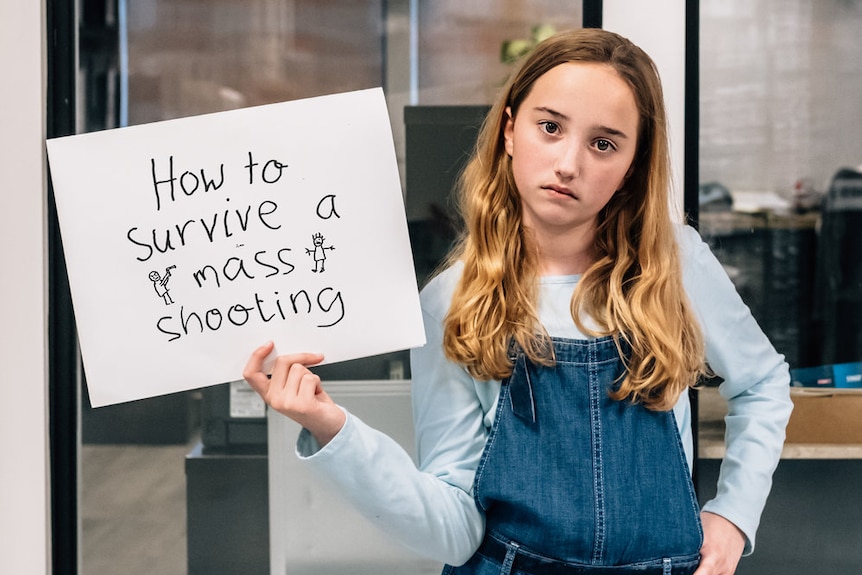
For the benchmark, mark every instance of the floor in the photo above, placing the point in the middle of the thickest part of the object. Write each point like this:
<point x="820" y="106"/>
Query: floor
<point x="133" y="509"/>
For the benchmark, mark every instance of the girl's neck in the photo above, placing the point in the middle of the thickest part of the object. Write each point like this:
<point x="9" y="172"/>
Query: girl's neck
<point x="564" y="254"/>
<point x="575" y="265"/>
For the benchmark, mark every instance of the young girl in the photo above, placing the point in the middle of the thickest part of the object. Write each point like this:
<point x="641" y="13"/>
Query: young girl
<point x="552" y="420"/>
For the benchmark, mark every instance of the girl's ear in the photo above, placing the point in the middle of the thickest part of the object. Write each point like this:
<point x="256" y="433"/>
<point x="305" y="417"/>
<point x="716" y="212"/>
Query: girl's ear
<point x="509" y="131"/>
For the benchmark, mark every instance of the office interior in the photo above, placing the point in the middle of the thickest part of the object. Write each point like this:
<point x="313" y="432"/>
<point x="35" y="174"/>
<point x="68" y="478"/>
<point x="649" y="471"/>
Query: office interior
<point x="763" y="96"/>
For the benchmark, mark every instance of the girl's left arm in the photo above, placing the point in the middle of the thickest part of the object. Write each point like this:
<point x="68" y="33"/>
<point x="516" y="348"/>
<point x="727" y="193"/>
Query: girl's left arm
<point x="756" y="386"/>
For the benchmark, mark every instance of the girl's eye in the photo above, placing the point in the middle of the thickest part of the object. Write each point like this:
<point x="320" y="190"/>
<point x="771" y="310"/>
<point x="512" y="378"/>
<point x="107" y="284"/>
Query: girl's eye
<point x="604" y="145"/>
<point x="550" y="127"/>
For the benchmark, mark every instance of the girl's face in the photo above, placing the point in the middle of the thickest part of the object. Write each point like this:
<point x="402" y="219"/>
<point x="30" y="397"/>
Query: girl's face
<point x="572" y="144"/>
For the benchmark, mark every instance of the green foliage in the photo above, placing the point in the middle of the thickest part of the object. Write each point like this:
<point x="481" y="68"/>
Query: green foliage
<point x="513" y="50"/>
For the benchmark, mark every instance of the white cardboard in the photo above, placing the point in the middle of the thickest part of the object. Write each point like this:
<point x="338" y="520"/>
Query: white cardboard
<point x="231" y="204"/>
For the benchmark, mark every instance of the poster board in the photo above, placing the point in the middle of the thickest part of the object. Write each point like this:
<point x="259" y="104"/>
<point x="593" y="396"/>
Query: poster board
<point x="190" y="242"/>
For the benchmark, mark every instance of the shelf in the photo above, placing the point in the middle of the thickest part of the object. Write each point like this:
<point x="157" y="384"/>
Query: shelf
<point x="711" y="410"/>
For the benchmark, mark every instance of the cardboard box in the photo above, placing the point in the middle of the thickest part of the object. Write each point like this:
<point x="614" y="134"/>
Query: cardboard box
<point x="824" y="417"/>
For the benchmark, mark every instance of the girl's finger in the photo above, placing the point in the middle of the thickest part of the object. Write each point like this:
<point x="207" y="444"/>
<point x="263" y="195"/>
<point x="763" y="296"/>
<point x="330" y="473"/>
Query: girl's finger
<point x="289" y="369"/>
<point x="309" y="385"/>
<point x="253" y="372"/>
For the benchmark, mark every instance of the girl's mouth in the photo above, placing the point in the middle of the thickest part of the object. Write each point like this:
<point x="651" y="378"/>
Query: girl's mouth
<point x="561" y="190"/>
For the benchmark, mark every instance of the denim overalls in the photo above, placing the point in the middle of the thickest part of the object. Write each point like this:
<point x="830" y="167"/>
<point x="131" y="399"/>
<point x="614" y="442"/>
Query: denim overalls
<point x="573" y="482"/>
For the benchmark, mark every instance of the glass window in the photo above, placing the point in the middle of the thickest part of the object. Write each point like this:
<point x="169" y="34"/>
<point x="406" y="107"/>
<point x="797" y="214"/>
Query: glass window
<point x="781" y="206"/>
<point x="464" y="47"/>
<point x="177" y="484"/>
<point x="775" y="176"/>
<point x="189" y="57"/>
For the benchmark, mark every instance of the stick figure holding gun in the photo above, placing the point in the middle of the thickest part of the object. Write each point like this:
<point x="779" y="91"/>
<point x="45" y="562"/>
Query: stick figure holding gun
<point x="161" y="284"/>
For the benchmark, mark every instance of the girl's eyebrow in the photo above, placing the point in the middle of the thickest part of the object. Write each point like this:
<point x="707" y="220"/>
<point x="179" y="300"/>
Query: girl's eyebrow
<point x="551" y="112"/>
<point x="562" y="117"/>
<point x="612" y="132"/>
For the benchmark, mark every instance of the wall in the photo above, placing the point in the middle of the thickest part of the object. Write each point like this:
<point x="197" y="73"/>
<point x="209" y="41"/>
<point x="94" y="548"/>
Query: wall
<point x="783" y="72"/>
<point x="658" y="27"/>
<point x="23" y="355"/>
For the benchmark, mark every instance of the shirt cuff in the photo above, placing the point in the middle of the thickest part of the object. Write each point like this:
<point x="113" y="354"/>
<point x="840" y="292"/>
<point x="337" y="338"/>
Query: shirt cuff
<point x="748" y="532"/>
<point x="307" y="446"/>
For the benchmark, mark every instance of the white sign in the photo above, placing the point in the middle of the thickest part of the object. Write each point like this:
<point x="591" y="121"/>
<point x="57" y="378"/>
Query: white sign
<point x="191" y="242"/>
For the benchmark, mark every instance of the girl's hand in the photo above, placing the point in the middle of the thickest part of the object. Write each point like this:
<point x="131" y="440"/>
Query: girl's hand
<point x="723" y="544"/>
<point x="295" y="392"/>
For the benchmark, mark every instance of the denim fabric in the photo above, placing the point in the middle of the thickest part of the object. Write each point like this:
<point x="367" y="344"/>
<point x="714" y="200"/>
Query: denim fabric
<point x="510" y="558"/>
<point x="570" y="474"/>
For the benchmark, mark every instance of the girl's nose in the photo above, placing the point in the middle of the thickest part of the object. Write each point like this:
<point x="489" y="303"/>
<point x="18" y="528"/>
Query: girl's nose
<point x="568" y="163"/>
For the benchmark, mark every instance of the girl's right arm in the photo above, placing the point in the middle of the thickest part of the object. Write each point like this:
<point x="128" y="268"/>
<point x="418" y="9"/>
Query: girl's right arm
<point x="428" y="508"/>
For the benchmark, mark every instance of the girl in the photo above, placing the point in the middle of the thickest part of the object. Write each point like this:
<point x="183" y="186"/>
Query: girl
<point x="550" y="405"/>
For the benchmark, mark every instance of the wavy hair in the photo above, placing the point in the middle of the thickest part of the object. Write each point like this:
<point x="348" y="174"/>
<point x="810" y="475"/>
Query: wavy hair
<point x="633" y="290"/>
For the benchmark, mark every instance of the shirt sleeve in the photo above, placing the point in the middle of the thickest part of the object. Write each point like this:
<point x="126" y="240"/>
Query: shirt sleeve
<point x="428" y="508"/>
<point x="756" y="386"/>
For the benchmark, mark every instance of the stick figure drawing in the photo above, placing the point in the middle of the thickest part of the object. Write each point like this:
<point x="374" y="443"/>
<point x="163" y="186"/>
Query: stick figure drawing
<point x="161" y="284"/>
<point x="319" y="252"/>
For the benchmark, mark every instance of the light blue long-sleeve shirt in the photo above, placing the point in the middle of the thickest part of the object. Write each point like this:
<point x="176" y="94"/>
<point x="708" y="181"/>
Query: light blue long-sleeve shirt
<point x="429" y="507"/>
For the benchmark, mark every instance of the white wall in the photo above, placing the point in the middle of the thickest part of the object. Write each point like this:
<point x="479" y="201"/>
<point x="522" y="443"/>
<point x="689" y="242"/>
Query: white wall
<point x="24" y="547"/>
<point x="658" y="26"/>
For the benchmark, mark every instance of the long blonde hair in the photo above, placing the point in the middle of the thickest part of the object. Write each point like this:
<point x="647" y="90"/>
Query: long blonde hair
<point x="633" y="290"/>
